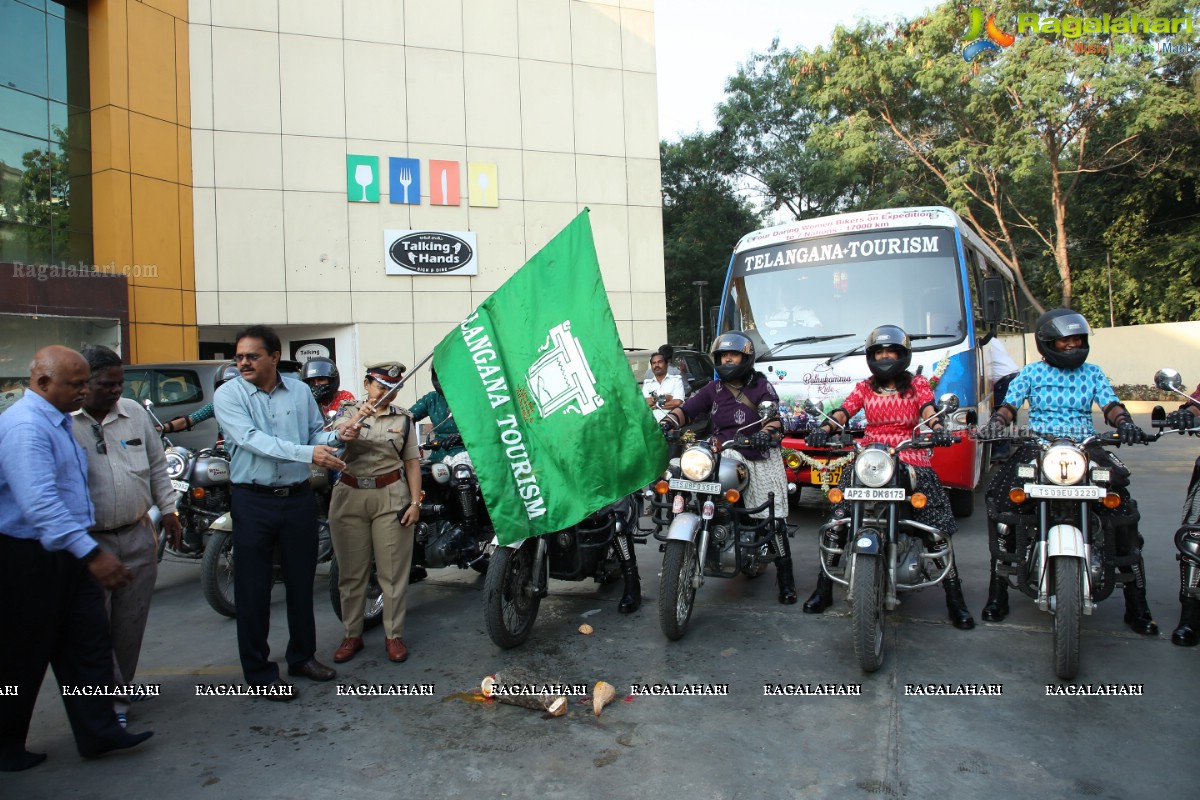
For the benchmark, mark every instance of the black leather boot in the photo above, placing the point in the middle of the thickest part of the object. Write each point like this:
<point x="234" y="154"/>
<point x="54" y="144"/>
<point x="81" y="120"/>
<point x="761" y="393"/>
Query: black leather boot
<point x="1137" y="610"/>
<point x="1188" y="632"/>
<point x="996" y="608"/>
<point x="631" y="599"/>
<point x="785" y="578"/>
<point x="955" y="603"/>
<point x="822" y="596"/>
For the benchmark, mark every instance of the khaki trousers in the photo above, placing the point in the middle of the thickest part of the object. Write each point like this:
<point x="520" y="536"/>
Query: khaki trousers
<point x="363" y="522"/>
<point x="129" y="608"/>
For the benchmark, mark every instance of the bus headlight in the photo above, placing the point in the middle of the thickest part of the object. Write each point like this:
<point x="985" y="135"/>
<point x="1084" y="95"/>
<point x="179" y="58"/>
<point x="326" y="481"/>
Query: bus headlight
<point x="873" y="468"/>
<point x="1064" y="465"/>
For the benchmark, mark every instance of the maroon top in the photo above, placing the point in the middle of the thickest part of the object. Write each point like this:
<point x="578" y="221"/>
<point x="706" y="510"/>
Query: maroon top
<point x="720" y="403"/>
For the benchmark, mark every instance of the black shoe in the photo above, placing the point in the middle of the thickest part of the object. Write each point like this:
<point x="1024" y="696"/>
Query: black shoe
<point x="122" y="742"/>
<point x="417" y="574"/>
<point x="1142" y="621"/>
<point x="20" y="759"/>
<point x="313" y="670"/>
<point x="631" y="600"/>
<point x="996" y="608"/>
<point x="785" y="579"/>
<point x="956" y="605"/>
<point x="822" y="596"/>
<point x="281" y="692"/>
<point x="1188" y="632"/>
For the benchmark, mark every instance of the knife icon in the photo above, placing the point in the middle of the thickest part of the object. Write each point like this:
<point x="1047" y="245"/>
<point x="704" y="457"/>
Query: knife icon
<point x="445" y="193"/>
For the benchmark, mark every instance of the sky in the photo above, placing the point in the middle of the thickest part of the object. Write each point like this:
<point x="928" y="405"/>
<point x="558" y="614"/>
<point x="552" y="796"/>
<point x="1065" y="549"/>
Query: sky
<point x="701" y="42"/>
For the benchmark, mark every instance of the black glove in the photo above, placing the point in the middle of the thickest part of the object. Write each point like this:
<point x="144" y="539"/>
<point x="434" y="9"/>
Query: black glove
<point x="452" y="440"/>
<point x="762" y="440"/>
<point x="817" y="437"/>
<point x="1131" y="433"/>
<point x="667" y="424"/>
<point x="994" y="429"/>
<point x="1182" y="419"/>
<point x="940" y="437"/>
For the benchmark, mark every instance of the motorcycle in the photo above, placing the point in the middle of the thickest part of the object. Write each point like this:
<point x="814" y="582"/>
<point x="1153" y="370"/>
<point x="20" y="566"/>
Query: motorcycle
<point x="202" y="480"/>
<point x="708" y="528"/>
<point x="1187" y="538"/>
<point x="886" y="552"/>
<point x="1065" y="554"/>
<point x="518" y="574"/>
<point x="454" y="528"/>
<point x="217" y="564"/>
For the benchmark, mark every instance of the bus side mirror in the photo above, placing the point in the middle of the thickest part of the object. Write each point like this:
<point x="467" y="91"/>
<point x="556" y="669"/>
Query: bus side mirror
<point x="993" y="300"/>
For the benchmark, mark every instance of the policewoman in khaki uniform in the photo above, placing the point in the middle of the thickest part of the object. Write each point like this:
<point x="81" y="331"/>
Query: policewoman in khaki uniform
<point x="374" y="506"/>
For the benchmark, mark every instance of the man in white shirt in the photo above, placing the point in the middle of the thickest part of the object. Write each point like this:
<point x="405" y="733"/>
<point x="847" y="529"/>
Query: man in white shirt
<point x="662" y="391"/>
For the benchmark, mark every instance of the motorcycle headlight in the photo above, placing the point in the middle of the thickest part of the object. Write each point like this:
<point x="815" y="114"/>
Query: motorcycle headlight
<point x="176" y="463"/>
<point x="697" y="463"/>
<point x="873" y="468"/>
<point x="1064" y="465"/>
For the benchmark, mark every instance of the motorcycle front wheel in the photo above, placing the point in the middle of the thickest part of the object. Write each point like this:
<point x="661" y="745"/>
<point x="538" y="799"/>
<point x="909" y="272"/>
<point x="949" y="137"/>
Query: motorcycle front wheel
<point x="216" y="573"/>
<point x="867" y="612"/>
<point x="373" y="613"/>
<point x="510" y="599"/>
<point x="677" y="589"/>
<point x="1068" y="612"/>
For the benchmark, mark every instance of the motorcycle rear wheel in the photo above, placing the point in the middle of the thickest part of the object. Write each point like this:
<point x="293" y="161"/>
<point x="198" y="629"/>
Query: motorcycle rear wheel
<point x="216" y="573"/>
<point x="373" y="613"/>
<point x="510" y="600"/>
<point x="1068" y="613"/>
<point x="867" y="612"/>
<point x="677" y="589"/>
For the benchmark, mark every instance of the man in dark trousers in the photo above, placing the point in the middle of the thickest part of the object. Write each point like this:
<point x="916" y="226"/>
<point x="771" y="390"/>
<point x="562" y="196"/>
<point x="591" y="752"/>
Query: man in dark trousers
<point x="54" y="572"/>
<point x="274" y="430"/>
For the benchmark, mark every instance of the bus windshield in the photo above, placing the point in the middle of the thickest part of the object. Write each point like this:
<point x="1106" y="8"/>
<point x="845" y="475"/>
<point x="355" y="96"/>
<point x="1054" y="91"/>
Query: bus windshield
<point x="822" y="295"/>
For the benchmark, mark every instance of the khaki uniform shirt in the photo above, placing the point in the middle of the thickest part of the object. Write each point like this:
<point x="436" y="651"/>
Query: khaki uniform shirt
<point x="132" y="475"/>
<point x="381" y="448"/>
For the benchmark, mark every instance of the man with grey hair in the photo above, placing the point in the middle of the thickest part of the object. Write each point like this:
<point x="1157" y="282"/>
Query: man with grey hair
<point x="53" y="569"/>
<point x="127" y="474"/>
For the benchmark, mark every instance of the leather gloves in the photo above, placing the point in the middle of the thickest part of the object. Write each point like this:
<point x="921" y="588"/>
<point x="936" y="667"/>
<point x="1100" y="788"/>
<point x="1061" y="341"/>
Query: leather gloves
<point x="762" y="440"/>
<point x="940" y="437"/>
<point x="817" y="437"/>
<point x="1182" y="419"/>
<point x="994" y="429"/>
<point x="1131" y="433"/>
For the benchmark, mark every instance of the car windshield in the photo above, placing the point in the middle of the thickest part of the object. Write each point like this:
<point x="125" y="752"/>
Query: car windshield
<point x="822" y="295"/>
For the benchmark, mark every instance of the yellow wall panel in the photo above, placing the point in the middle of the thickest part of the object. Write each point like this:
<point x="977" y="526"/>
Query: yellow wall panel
<point x="151" y="343"/>
<point x="156" y="231"/>
<point x="108" y="61"/>
<point x="184" y="149"/>
<point x="183" y="76"/>
<point x="110" y="139"/>
<point x="176" y="8"/>
<point x="164" y="306"/>
<point x="112" y="212"/>
<point x="153" y="147"/>
<point x="187" y="245"/>
<point x="189" y="309"/>
<point x="151" y="62"/>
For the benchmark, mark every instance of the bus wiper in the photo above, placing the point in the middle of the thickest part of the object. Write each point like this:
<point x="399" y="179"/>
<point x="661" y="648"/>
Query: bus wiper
<point x="802" y="340"/>
<point x="829" y="361"/>
<point x="935" y="335"/>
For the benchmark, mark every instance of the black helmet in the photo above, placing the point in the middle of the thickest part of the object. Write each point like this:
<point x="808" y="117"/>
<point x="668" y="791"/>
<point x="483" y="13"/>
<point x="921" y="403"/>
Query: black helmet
<point x="733" y="342"/>
<point x="321" y="367"/>
<point x="888" y="336"/>
<point x="1055" y="324"/>
<point x="227" y="372"/>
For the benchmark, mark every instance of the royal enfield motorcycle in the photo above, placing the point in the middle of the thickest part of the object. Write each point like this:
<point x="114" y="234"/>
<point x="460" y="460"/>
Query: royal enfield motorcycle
<point x="454" y="528"/>
<point x="878" y="550"/>
<point x="518" y="575"/>
<point x="705" y="527"/>
<point x="1065" y="554"/>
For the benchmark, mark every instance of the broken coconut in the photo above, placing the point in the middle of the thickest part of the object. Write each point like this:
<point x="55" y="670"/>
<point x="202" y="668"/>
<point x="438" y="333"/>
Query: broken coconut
<point x="586" y="629"/>
<point x="554" y="705"/>
<point x="602" y="695"/>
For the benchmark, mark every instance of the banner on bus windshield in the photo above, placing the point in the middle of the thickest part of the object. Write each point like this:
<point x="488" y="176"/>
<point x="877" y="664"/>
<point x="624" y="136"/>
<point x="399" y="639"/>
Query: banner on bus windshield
<point x="875" y="246"/>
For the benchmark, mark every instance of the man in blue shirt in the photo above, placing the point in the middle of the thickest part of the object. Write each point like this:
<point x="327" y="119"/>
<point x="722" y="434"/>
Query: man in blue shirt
<point x="274" y="431"/>
<point x="1061" y="390"/>
<point x="53" y="570"/>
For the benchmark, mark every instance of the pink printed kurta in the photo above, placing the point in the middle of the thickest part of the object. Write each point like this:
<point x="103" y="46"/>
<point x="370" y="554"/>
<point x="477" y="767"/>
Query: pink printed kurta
<point x="891" y="418"/>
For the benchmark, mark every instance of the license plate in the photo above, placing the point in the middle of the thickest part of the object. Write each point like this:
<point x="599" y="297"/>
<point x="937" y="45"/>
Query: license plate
<point x="704" y="487"/>
<point x="865" y="493"/>
<point x="814" y="476"/>
<point x="1065" y="492"/>
<point x="180" y="486"/>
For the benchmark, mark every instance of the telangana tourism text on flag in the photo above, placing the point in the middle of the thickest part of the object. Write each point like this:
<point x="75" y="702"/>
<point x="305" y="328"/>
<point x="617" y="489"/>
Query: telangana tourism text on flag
<point x="543" y="395"/>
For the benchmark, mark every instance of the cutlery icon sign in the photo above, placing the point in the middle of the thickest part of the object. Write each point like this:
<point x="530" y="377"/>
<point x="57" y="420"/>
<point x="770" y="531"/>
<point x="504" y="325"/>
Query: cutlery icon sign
<point x="405" y="178"/>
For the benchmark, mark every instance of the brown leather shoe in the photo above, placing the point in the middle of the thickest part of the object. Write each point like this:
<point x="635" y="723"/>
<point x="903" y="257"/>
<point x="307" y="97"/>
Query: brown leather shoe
<point x="313" y="670"/>
<point x="396" y="650"/>
<point x="346" y="650"/>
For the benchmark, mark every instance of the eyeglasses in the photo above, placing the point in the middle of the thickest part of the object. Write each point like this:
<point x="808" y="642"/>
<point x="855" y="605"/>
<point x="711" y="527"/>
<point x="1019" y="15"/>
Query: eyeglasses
<point x="251" y="357"/>
<point x="101" y="447"/>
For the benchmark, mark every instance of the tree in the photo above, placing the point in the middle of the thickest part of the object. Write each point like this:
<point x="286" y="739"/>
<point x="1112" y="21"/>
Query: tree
<point x="703" y="218"/>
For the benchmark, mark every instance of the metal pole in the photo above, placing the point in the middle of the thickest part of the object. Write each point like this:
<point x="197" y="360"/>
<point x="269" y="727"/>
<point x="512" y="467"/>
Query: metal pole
<point x="700" y="299"/>
<point x="1112" y="320"/>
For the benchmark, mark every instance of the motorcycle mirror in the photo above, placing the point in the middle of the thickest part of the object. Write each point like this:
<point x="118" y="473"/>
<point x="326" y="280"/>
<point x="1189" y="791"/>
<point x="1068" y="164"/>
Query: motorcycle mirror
<point x="948" y="403"/>
<point x="148" y="403"/>
<point x="811" y="408"/>
<point x="1168" y="380"/>
<point x="768" y="410"/>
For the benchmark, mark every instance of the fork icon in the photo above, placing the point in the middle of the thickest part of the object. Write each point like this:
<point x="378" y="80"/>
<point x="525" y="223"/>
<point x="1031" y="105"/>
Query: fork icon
<point x="405" y="178"/>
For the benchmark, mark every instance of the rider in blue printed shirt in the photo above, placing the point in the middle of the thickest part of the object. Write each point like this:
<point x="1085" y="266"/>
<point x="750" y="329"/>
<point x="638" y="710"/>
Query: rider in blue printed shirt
<point x="1061" y="391"/>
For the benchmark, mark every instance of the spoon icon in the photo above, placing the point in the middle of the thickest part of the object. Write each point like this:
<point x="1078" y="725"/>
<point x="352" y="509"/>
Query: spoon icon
<point x="483" y="182"/>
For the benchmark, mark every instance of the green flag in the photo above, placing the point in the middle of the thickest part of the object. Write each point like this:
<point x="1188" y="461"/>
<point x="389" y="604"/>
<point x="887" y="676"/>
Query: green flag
<point x="544" y="398"/>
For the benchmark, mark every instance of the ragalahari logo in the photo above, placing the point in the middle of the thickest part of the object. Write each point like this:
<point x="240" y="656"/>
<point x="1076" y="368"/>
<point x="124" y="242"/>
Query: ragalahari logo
<point x="984" y="36"/>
